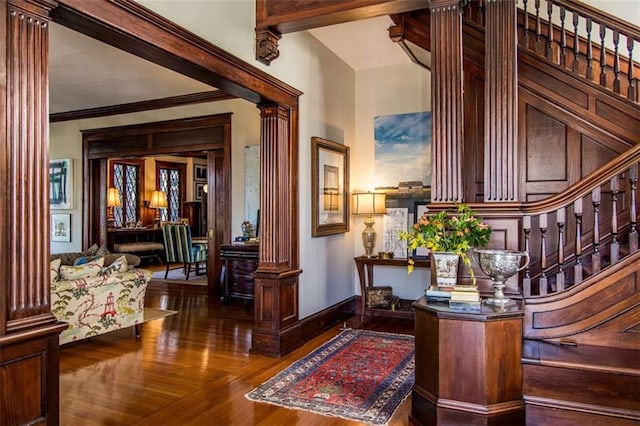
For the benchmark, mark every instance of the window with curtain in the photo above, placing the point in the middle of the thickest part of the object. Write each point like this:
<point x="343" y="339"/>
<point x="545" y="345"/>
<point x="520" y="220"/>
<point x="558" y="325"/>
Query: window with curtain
<point x="170" y="178"/>
<point x="126" y="178"/>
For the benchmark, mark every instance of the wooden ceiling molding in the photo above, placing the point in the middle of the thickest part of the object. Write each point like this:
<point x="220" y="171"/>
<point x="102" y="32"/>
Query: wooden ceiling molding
<point x="274" y="18"/>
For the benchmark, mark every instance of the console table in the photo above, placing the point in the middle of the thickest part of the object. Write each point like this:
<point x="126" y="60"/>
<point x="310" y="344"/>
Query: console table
<point x="468" y="369"/>
<point x="365" y="266"/>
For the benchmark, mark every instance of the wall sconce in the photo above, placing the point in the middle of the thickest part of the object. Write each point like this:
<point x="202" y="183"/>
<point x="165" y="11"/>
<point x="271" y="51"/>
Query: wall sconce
<point x="158" y="201"/>
<point x="369" y="203"/>
<point x="113" y="200"/>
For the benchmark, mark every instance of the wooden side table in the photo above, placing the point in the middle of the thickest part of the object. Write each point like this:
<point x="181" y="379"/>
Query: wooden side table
<point x="468" y="368"/>
<point x="365" y="265"/>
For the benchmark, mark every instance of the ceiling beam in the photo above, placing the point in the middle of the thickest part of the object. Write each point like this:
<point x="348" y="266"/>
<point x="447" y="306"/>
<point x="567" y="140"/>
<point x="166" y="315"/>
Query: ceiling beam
<point x="274" y="17"/>
<point x="168" y="102"/>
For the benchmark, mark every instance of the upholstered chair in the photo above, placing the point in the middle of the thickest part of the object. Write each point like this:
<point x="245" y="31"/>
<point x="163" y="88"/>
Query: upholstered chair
<point x="179" y="248"/>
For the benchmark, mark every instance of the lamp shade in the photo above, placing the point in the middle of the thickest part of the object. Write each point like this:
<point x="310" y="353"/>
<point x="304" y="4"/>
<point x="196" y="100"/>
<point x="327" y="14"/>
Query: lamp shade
<point x="158" y="200"/>
<point x="113" y="198"/>
<point x="369" y="203"/>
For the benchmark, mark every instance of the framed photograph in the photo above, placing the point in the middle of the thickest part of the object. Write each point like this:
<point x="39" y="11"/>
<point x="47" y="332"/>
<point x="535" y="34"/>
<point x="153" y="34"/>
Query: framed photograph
<point x="402" y="149"/>
<point x="420" y="208"/>
<point x="329" y="187"/>
<point x="393" y="222"/>
<point x="198" y="191"/>
<point x="61" y="184"/>
<point x="61" y="227"/>
<point x="200" y="172"/>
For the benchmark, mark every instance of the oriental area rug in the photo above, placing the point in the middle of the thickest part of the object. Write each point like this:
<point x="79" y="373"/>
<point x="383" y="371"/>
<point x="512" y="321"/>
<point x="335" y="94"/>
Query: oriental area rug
<point x="358" y="375"/>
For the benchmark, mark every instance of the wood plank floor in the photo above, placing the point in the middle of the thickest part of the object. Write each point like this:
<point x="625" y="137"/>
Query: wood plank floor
<point x="191" y="368"/>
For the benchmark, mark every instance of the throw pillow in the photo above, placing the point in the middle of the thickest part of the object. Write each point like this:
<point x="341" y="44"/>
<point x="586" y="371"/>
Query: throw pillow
<point x="118" y="265"/>
<point x="102" y="251"/>
<point x="91" y="251"/>
<point x="88" y="270"/>
<point x="54" y="270"/>
<point x="81" y="260"/>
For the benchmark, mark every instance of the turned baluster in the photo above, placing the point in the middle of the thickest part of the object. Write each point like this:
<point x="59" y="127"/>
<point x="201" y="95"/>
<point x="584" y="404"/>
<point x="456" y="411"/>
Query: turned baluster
<point x="543" y="254"/>
<point x="595" y="256"/>
<point x="633" y="214"/>
<point x="603" y="56"/>
<point x="616" y="61"/>
<point x="614" y="249"/>
<point x="538" y="26"/>
<point x="589" y="73"/>
<point x="631" y="91"/>
<point x="577" y="268"/>
<point x="526" y="228"/>
<point x="525" y="24"/>
<point x="576" y="43"/>
<point x="563" y="37"/>
<point x="560" y="219"/>
<point x="550" y="29"/>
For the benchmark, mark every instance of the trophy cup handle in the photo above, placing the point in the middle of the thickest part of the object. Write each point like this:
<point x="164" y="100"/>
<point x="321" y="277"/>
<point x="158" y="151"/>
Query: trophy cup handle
<point x="526" y="254"/>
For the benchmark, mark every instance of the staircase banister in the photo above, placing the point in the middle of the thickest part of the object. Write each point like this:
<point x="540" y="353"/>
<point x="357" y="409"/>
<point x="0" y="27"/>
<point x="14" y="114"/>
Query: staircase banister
<point x="600" y="16"/>
<point x="580" y="189"/>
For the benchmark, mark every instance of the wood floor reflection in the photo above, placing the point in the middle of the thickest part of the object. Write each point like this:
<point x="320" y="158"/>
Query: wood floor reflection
<point x="191" y="368"/>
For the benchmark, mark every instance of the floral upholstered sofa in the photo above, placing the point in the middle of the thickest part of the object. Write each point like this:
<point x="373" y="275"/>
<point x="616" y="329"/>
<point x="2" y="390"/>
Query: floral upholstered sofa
<point x="94" y="298"/>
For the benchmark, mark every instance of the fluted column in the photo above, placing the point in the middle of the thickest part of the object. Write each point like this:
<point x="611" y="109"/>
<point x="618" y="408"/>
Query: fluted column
<point x="447" y="108"/>
<point x="28" y="330"/>
<point x="501" y="102"/>
<point x="277" y="328"/>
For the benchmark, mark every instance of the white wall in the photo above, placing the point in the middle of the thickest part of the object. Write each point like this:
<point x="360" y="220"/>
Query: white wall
<point x="394" y="89"/>
<point x="66" y="142"/>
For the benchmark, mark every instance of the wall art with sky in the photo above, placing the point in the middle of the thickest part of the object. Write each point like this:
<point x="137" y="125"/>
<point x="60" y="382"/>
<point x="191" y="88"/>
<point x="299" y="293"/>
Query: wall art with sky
<point x="403" y="149"/>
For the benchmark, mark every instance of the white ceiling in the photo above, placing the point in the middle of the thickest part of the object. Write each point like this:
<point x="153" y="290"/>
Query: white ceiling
<point x="85" y="73"/>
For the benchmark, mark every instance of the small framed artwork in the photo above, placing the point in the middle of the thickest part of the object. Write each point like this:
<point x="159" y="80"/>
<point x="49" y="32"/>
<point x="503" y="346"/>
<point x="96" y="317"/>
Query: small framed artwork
<point x="60" y="184"/>
<point x="329" y="183"/>
<point x="200" y="172"/>
<point x="420" y="208"/>
<point x="393" y="222"/>
<point x="198" y="191"/>
<point x="61" y="227"/>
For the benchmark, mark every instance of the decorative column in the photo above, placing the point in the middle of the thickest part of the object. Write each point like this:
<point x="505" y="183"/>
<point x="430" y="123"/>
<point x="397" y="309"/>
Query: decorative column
<point x="277" y="329"/>
<point x="447" y="108"/>
<point x="28" y="331"/>
<point x="501" y="102"/>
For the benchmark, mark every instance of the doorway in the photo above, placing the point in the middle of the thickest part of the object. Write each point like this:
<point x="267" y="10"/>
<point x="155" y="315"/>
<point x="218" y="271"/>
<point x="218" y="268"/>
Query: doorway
<point x="205" y="137"/>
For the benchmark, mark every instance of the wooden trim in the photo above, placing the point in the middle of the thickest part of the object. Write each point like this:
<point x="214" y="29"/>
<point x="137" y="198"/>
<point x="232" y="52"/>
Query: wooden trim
<point x="153" y="104"/>
<point x="314" y="325"/>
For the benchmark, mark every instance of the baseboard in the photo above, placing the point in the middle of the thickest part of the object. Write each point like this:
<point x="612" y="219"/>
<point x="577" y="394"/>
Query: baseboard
<point x="314" y="325"/>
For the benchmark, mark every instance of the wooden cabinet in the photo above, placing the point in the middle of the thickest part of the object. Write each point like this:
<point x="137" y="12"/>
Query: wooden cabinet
<point x="239" y="262"/>
<point x="468" y="368"/>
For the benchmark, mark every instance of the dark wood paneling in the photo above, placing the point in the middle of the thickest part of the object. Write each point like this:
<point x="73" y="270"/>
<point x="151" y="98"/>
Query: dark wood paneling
<point x="546" y="147"/>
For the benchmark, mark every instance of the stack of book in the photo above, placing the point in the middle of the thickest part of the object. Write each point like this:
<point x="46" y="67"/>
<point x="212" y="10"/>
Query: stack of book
<point x="438" y="294"/>
<point x="465" y="298"/>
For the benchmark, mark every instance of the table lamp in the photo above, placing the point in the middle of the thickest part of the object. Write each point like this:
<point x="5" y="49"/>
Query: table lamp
<point x="369" y="203"/>
<point x="113" y="200"/>
<point x="158" y="201"/>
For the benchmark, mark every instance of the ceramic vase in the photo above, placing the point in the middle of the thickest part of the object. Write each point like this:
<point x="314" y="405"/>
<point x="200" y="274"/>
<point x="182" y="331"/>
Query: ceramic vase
<point x="444" y="269"/>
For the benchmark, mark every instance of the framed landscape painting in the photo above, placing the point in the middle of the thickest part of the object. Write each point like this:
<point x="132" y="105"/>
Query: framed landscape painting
<point x="329" y="186"/>
<point x="402" y="149"/>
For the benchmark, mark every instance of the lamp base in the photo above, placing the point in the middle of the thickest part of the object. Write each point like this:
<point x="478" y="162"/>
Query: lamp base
<point x="368" y="236"/>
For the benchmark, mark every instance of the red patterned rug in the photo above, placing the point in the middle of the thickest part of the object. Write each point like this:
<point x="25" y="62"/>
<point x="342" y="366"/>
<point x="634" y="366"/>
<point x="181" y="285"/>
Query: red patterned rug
<point x="358" y="375"/>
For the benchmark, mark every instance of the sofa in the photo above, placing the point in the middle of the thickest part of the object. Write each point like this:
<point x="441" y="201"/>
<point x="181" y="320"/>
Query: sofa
<point x="97" y="295"/>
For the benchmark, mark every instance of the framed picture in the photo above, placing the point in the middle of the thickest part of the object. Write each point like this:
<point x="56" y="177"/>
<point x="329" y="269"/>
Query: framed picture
<point x="61" y="184"/>
<point x="329" y="183"/>
<point x="200" y="172"/>
<point x="420" y="208"/>
<point x="61" y="227"/>
<point x="198" y="191"/>
<point x="402" y="149"/>
<point x="393" y="222"/>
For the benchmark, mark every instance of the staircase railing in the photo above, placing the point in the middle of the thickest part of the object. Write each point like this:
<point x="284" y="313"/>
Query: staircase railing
<point x="578" y="38"/>
<point x="567" y="235"/>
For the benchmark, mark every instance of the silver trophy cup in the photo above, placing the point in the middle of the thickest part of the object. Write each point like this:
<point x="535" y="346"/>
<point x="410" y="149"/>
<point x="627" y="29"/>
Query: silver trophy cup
<point x="500" y="265"/>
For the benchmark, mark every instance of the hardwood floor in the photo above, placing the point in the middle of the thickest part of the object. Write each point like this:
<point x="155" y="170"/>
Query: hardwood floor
<point x="191" y="368"/>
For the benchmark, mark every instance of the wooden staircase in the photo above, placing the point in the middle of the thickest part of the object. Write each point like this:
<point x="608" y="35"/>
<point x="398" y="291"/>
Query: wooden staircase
<point x="578" y="103"/>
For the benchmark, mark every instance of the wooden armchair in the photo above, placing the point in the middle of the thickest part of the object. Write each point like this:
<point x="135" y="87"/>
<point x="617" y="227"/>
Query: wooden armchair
<point x="179" y="248"/>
